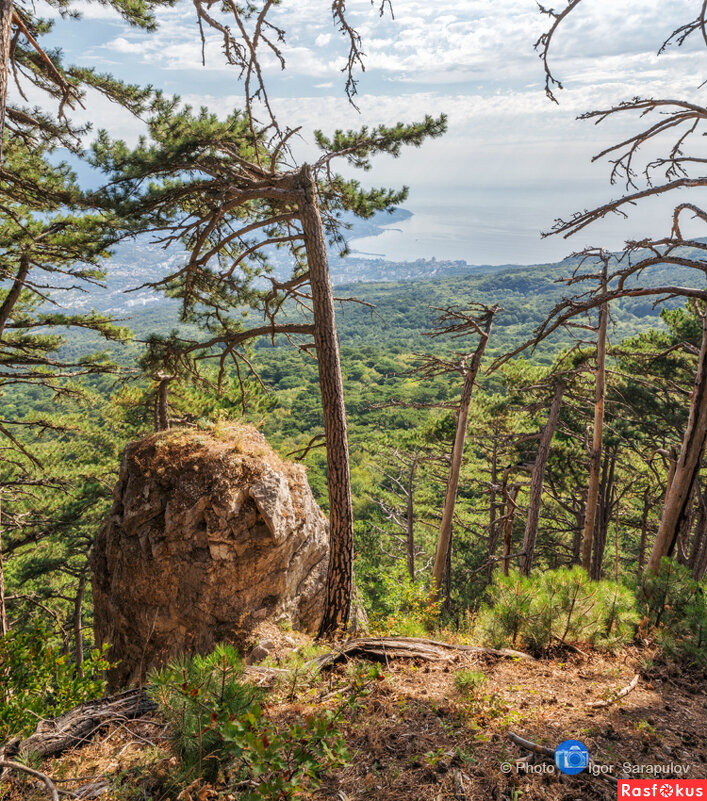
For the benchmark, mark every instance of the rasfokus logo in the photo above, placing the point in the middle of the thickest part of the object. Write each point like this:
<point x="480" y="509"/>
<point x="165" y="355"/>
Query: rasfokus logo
<point x="665" y="788"/>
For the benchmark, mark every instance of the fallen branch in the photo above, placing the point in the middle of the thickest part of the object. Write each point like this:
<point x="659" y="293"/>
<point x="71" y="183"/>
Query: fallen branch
<point x="536" y="748"/>
<point x="384" y="648"/>
<point x="48" y="783"/>
<point x="78" y="725"/>
<point x="620" y="694"/>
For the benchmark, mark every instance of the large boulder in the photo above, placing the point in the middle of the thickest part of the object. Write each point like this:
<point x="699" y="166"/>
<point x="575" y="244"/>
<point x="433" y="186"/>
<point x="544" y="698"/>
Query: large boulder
<point x="210" y="534"/>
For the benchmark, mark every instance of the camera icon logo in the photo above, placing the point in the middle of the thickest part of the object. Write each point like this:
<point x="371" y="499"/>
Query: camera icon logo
<point x="571" y="757"/>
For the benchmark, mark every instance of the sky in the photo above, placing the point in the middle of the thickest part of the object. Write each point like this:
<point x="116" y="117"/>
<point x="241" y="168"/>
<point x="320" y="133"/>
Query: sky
<point x="511" y="162"/>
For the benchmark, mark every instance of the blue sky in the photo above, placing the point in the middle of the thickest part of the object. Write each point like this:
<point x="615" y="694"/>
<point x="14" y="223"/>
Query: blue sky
<point x="512" y="160"/>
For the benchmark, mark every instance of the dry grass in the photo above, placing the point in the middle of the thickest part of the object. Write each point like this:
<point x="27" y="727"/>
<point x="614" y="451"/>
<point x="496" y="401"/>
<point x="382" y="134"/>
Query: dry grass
<point x="412" y="734"/>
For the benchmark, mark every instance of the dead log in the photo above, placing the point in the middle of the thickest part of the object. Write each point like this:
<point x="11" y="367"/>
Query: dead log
<point x="78" y="725"/>
<point x="48" y="783"/>
<point x="620" y="694"/>
<point x="381" y="649"/>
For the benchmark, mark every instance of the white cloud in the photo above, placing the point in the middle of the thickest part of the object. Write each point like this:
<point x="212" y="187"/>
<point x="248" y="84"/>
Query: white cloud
<point x="473" y="59"/>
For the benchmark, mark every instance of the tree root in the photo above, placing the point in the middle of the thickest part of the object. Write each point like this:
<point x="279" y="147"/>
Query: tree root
<point x="383" y="648"/>
<point x="78" y="725"/>
<point x="48" y="783"/>
<point x="620" y="694"/>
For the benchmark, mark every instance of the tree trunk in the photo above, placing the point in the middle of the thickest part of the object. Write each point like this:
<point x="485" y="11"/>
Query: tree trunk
<point x="410" y="520"/>
<point x="699" y="537"/>
<point x="677" y="499"/>
<point x="682" y="544"/>
<point x="78" y="621"/>
<point x="162" y="405"/>
<point x="508" y="527"/>
<point x="606" y="503"/>
<point x="17" y="286"/>
<point x="339" y="585"/>
<point x="699" y="565"/>
<point x="445" y="533"/>
<point x="595" y="455"/>
<point x="448" y="577"/>
<point x="538" y="479"/>
<point x="580" y="516"/>
<point x="644" y="532"/>
<point x="5" y="37"/>
<point x="493" y="527"/>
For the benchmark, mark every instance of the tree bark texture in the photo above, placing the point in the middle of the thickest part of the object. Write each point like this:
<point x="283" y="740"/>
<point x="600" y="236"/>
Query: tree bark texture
<point x="445" y="533"/>
<point x="78" y="620"/>
<point x="677" y="499"/>
<point x="538" y="479"/>
<point x="595" y="455"/>
<point x="162" y="405"/>
<point x="339" y="585"/>
<point x="13" y="295"/>
<point x="603" y="519"/>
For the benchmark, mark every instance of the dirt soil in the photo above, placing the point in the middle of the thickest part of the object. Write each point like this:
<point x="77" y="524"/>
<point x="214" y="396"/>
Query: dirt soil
<point x="413" y="735"/>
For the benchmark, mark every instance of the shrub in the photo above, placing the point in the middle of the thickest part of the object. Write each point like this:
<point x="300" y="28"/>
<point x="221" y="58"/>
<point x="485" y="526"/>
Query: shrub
<point x="197" y="693"/>
<point x="675" y="608"/>
<point x="38" y="681"/>
<point x="218" y="726"/>
<point x="556" y="606"/>
<point x="406" y="608"/>
<point x="469" y="681"/>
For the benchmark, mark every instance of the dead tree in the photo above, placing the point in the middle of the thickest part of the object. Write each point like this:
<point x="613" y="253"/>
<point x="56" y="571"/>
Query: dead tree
<point x="457" y="323"/>
<point x="677" y="170"/>
<point x="399" y="483"/>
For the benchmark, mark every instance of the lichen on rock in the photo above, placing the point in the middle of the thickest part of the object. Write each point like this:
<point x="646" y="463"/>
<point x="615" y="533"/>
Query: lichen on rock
<point x="210" y="534"/>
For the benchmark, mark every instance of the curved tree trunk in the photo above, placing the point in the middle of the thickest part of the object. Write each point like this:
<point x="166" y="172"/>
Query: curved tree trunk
<point x="337" y="603"/>
<point x="678" y="497"/>
<point x="450" y="500"/>
<point x="538" y="479"/>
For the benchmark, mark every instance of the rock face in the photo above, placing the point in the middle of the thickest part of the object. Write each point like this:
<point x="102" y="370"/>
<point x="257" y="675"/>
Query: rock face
<point x="210" y="534"/>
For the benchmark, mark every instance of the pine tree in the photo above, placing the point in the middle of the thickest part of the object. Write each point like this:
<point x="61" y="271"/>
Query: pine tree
<point x="221" y="191"/>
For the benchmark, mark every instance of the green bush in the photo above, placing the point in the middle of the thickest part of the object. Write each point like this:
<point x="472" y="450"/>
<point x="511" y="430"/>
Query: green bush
<point x="558" y="606"/>
<point x="218" y="727"/>
<point x="405" y="608"/>
<point x="195" y="694"/>
<point x="675" y="608"/>
<point x="37" y="681"/>
<point x="468" y="681"/>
